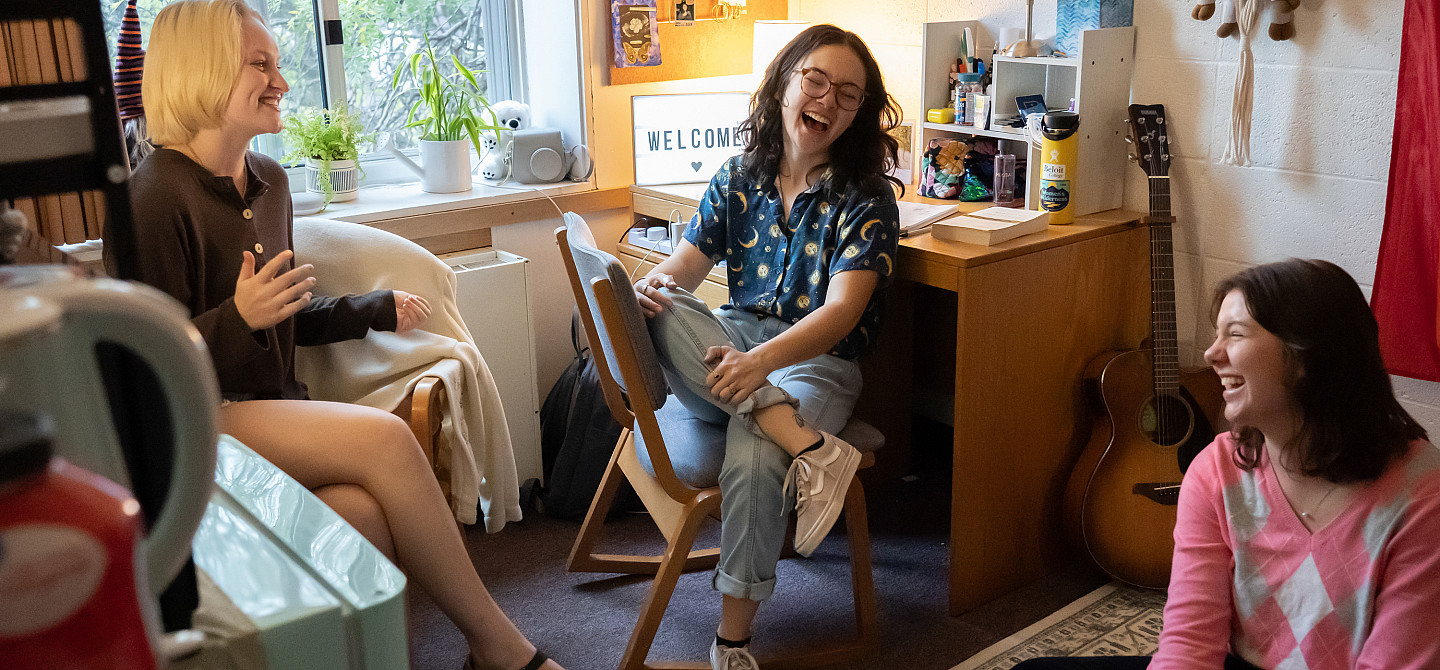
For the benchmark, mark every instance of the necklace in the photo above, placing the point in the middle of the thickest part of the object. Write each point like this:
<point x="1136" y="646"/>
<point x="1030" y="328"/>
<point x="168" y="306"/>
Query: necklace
<point x="1309" y="514"/>
<point x="1316" y="507"/>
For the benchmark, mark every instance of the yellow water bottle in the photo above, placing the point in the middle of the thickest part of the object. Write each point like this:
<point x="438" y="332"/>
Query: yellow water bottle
<point x="1058" y="158"/>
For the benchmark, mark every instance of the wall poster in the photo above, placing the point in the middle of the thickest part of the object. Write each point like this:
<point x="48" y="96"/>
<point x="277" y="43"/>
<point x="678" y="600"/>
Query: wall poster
<point x="637" y="36"/>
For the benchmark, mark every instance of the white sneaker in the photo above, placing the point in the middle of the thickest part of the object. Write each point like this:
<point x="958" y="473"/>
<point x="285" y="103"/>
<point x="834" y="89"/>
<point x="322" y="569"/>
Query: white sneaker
<point x="820" y="479"/>
<point x="731" y="658"/>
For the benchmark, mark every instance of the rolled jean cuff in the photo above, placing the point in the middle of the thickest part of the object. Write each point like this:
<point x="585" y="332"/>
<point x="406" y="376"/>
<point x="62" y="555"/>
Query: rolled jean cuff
<point x="735" y="588"/>
<point x="763" y="397"/>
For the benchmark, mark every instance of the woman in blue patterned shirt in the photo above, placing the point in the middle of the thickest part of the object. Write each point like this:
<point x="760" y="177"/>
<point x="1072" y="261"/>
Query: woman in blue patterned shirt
<point x="806" y="224"/>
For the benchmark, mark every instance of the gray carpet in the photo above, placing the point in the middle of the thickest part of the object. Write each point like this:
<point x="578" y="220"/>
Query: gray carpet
<point x="584" y="620"/>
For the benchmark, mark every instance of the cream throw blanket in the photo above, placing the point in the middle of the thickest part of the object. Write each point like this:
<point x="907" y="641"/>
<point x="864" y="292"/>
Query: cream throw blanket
<point x="380" y="370"/>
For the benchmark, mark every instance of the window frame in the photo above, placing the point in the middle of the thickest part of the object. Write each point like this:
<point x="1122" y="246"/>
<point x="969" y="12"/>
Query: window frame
<point x="505" y="73"/>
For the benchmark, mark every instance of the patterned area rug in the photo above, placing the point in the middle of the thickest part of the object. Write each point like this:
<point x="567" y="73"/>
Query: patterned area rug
<point x="1113" y="620"/>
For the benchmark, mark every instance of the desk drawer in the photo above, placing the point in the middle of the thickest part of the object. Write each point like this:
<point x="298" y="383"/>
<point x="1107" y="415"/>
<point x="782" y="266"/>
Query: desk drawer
<point x="659" y="208"/>
<point x="712" y="292"/>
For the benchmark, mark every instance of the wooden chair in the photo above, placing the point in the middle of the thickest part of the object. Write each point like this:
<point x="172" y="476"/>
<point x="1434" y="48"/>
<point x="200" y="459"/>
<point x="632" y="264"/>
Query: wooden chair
<point x="678" y="495"/>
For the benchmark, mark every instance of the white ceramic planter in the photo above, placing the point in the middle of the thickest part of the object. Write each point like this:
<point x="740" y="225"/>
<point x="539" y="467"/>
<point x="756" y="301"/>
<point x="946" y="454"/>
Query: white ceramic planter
<point x="344" y="179"/>
<point x="445" y="166"/>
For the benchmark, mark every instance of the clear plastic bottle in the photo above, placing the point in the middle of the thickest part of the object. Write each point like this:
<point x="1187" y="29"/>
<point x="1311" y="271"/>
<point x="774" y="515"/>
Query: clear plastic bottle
<point x="965" y="92"/>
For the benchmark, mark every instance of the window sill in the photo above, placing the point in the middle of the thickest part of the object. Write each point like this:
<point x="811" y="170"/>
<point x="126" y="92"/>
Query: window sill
<point x="385" y="202"/>
<point x="447" y="222"/>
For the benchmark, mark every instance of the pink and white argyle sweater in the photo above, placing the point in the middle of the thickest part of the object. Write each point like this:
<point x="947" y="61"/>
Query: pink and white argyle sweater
<point x="1361" y="592"/>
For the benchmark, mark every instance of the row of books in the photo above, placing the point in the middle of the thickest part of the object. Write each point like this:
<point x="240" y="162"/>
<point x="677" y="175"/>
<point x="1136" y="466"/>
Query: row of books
<point x="988" y="227"/>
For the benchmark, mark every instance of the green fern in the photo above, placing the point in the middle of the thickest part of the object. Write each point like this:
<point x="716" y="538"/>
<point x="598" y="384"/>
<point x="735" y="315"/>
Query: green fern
<point x="324" y="136"/>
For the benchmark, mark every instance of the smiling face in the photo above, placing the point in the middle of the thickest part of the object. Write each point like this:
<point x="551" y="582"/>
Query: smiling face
<point x="254" y="106"/>
<point x="813" y="124"/>
<point x="1252" y="367"/>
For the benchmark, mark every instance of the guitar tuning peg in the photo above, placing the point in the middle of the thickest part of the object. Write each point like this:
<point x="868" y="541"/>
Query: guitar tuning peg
<point x="1133" y="157"/>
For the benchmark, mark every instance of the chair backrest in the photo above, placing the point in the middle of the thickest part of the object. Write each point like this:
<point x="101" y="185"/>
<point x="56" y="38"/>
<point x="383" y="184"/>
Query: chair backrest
<point x="630" y="372"/>
<point x="592" y="264"/>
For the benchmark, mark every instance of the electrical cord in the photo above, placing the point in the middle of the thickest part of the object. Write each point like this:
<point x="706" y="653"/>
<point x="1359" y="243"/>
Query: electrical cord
<point x="674" y="218"/>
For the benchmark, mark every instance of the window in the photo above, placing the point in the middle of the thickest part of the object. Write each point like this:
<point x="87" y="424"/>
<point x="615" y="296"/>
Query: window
<point x="378" y="36"/>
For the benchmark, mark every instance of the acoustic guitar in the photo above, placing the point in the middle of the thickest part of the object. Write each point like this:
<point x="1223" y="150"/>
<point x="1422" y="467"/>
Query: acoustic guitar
<point x="1122" y="495"/>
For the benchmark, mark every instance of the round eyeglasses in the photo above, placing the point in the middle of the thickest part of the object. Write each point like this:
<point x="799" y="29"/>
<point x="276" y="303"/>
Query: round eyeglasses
<point x="815" y="83"/>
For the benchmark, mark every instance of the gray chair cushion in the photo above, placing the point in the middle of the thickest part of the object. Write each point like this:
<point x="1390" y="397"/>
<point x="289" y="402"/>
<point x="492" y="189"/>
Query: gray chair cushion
<point x="863" y="436"/>
<point x="591" y="264"/>
<point x="696" y="447"/>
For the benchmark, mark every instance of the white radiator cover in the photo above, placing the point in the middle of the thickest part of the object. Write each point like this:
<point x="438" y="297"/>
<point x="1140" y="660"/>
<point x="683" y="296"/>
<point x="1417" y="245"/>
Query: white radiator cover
<point x="493" y="294"/>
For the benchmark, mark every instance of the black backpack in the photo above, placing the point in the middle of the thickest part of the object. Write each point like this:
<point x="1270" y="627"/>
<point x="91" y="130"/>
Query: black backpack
<point x="577" y="435"/>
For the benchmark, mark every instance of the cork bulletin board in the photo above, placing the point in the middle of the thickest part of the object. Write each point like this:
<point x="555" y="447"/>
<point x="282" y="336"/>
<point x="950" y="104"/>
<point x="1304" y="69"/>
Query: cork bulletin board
<point x="711" y="48"/>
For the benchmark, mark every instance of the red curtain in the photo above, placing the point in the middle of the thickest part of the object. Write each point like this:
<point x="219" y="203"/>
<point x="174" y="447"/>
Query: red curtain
<point x="1407" y="275"/>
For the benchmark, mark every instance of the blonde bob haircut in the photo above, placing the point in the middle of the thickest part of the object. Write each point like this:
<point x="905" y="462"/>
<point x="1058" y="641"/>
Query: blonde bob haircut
<point x="191" y="65"/>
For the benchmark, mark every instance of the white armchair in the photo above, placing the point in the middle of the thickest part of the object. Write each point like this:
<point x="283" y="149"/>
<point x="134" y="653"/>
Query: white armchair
<point x="433" y="377"/>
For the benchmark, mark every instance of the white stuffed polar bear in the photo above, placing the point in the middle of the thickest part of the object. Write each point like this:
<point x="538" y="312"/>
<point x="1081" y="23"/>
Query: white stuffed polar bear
<point x="512" y="116"/>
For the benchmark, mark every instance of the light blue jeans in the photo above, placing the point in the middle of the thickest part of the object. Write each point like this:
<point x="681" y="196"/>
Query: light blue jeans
<point x="753" y="507"/>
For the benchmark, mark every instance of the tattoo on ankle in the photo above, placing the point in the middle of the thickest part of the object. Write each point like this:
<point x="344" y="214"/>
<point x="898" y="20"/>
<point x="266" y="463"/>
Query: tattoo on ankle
<point x="799" y="420"/>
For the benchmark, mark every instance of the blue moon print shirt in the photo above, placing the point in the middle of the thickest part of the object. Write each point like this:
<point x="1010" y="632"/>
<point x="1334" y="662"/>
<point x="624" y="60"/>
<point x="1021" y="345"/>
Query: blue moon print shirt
<point x="781" y="267"/>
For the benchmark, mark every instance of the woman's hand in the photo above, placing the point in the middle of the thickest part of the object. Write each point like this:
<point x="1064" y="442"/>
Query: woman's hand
<point x="647" y="292"/>
<point x="734" y="374"/>
<point x="411" y="311"/>
<point x="264" y="299"/>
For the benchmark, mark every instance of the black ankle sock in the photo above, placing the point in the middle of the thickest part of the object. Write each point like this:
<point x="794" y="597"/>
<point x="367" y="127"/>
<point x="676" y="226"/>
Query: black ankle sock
<point x="818" y="443"/>
<point x="731" y="643"/>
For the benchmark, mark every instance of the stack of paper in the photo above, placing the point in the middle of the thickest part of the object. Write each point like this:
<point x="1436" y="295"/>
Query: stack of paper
<point x="917" y="216"/>
<point x="991" y="226"/>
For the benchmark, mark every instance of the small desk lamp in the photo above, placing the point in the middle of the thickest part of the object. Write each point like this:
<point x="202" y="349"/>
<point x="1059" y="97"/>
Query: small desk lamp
<point x="1025" y="48"/>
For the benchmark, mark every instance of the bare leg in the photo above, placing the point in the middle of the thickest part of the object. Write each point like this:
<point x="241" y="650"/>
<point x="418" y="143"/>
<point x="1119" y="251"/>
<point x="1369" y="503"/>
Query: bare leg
<point x="786" y="428"/>
<point x="736" y="614"/>
<point x="322" y="444"/>
<point x="359" y="509"/>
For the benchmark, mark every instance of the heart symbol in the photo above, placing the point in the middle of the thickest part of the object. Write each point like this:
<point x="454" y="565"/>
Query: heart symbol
<point x="696" y="165"/>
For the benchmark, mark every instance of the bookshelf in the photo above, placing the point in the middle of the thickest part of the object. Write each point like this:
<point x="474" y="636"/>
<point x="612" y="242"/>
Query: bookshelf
<point x="1098" y="78"/>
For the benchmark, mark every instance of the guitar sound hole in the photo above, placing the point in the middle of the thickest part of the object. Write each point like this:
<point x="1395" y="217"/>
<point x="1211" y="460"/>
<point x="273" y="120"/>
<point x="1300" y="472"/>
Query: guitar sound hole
<point x="1166" y="420"/>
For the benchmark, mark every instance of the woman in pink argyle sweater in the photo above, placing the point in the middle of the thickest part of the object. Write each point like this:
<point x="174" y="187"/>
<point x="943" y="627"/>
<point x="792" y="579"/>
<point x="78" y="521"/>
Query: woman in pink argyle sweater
<point x="1308" y="536"/>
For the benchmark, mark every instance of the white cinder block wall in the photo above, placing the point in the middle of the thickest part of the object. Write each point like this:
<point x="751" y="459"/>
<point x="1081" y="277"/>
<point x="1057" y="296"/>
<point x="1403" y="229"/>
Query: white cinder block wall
<point x="1323" y="119"/>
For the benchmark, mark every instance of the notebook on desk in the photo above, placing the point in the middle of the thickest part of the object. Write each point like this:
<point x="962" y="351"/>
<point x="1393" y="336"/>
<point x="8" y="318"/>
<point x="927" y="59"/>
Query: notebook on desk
<point x="915" y="217"/>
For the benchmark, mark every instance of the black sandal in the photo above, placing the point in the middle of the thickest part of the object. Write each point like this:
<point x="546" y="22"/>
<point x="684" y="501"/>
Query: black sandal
<point x="535" y="661"/>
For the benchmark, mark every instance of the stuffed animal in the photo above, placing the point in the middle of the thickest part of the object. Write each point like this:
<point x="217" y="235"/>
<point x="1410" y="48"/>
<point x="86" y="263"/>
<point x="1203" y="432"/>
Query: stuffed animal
<point x="1206" y="8"/>
<point x="510" y="114"/>
<point x="495" y="166"/>
<point x="1281" y="27"/>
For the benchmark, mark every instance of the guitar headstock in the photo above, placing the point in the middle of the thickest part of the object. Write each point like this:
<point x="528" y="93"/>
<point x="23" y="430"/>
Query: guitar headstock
<point x="1150" y="135"/>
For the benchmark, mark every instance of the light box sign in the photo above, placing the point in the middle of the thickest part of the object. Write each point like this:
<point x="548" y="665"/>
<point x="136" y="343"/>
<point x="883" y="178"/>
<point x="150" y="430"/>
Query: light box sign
<point x="685" y="138"/>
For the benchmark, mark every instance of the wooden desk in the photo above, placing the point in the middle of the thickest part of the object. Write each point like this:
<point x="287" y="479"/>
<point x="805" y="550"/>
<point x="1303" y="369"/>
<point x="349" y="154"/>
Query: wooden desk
<point x="1029" y="314"/>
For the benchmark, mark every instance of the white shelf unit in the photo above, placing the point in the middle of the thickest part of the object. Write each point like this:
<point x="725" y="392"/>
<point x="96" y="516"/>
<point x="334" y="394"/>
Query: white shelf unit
<point x="1098" y="78"/>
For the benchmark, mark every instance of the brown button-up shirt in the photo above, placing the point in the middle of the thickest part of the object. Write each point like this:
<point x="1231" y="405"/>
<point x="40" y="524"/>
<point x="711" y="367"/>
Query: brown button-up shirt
<point x="190" y="228"/>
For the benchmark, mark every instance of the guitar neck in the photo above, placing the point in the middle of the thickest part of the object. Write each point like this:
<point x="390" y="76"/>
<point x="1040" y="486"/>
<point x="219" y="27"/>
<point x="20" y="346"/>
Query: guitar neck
<point x="1162" y="289"/>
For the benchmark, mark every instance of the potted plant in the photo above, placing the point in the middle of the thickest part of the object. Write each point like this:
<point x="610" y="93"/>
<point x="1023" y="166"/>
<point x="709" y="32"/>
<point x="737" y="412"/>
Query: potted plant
<point x="328" y="142"/>
<point x="451" y="113"/>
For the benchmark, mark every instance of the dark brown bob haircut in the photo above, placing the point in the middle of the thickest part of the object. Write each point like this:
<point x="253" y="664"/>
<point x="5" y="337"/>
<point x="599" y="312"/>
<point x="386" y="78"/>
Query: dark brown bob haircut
<point x="863" y="155"/>
<point x="1352" y="427"/>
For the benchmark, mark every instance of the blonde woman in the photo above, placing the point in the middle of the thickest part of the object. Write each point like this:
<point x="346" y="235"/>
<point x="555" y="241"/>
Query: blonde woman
<point x="213" y="229"/>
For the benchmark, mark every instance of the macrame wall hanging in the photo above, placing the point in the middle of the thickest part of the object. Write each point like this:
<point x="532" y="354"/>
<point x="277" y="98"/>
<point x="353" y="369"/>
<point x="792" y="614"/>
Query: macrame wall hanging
<point x="1242" y="16"/>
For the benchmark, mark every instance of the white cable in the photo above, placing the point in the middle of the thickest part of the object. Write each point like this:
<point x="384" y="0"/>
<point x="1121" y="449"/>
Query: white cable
<point x="1237" y="150"/>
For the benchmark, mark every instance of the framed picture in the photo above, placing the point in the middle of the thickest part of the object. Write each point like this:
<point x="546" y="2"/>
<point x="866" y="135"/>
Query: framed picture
<point x="905" y="158"/>
<point x="684" y="138"/>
